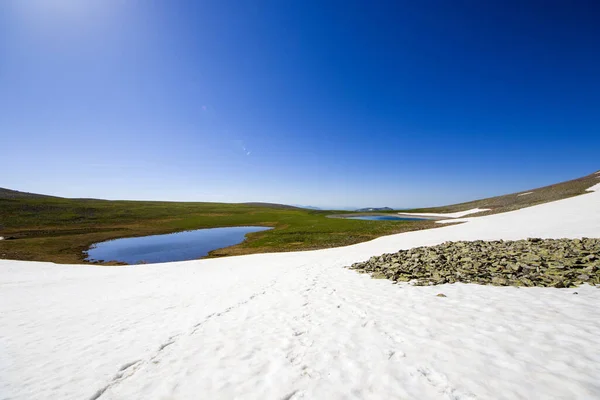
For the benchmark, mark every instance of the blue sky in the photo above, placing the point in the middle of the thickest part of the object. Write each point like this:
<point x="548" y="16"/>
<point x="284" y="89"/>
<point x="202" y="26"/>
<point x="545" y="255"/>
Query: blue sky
<point x="331" y="104"/>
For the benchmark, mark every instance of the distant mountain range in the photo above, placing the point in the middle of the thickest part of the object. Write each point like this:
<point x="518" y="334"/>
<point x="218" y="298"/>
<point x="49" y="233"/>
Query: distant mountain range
<point x="375" y="209"/>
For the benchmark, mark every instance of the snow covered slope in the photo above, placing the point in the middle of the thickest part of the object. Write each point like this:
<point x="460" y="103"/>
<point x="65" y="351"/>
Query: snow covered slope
<point x="298" y="325"/>
<point x="448" y="215"/>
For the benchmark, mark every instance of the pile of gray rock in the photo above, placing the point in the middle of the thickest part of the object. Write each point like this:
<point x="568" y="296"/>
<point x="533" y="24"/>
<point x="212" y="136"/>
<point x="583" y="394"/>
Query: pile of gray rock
<point x="532" y="262"/>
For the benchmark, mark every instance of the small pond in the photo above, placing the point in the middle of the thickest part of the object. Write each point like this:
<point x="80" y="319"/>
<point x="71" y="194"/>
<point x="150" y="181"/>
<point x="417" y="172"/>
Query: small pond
<point x="180" y="246"/>
<point x="385" y="218"/>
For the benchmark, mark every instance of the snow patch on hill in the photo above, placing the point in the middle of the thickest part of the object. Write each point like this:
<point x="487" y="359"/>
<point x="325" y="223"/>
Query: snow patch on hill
<point x="449" y="215"/>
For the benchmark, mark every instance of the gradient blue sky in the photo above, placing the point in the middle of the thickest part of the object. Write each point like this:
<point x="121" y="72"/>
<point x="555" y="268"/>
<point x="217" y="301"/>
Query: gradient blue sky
<point x="324" y="103"/>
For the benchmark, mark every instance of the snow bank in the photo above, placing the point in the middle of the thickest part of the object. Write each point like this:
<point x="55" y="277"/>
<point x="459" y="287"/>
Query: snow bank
<point x="448" y="215"/>
<point x="298" y="325"/>
<point x="524" y="194"/>
<point x="452" y="220"/>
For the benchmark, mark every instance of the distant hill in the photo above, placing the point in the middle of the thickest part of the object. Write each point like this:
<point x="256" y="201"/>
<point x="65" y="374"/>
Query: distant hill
<point x="525" y="198"/>
<point x="375" y="209"/>
<point x="306" y="207"/>
<point x="268" y="205"/>
<point x="9" y="194"/>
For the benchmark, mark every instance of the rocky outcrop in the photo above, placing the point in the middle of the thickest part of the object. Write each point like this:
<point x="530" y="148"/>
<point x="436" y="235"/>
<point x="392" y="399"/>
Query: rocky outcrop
<point x="532" y="262"/>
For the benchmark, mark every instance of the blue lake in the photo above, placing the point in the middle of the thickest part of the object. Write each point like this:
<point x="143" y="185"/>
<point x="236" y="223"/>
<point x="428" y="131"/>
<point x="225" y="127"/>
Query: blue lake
<point x="385" y="218"/>
<point x="180" y="246"/>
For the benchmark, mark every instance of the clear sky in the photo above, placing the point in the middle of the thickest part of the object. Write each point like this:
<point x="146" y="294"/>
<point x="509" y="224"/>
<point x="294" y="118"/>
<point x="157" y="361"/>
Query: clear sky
<point x="323" y="103"/>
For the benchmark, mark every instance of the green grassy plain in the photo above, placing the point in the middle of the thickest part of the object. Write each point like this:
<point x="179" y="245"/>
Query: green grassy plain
<point x="59" y="230"/>
<point x="55" y="229"/>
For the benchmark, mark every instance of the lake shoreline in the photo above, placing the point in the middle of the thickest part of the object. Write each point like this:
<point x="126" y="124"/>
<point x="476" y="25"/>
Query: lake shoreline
<point x="376" y="214"/>
<point x="171" y="247"/>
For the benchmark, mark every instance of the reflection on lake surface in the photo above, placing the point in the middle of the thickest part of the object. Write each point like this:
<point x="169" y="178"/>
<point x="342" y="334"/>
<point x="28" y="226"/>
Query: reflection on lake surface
<point x="179" y="246"/>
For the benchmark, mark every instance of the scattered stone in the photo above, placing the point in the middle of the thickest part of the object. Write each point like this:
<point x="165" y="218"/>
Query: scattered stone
<point x="441" y="295"/>
<point x="559" y="263"/>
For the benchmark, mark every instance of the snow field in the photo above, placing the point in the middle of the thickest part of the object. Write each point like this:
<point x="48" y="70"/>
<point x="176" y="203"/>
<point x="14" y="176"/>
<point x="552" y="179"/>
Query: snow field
<point x="298" y="325"/>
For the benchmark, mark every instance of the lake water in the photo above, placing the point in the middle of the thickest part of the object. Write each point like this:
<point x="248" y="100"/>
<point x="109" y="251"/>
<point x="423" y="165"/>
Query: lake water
<point x="385" y="218"/>
<point x="181" y="246"/>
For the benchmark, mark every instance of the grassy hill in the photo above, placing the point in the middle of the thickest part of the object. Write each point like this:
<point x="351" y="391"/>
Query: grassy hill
<point x="523" y="199"/>
<point x="47" y="228"/>
<point x="15" y="194"/>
